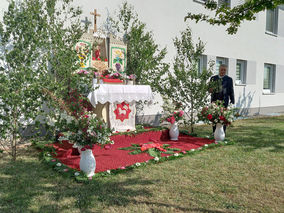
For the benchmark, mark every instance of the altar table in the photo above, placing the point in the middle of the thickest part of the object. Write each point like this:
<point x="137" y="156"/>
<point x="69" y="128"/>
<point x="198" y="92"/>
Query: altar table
<point x="116" y="103"/>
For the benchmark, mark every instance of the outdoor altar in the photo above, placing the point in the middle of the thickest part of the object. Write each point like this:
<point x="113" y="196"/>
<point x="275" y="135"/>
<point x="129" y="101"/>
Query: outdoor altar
<point x="113" y="101"/>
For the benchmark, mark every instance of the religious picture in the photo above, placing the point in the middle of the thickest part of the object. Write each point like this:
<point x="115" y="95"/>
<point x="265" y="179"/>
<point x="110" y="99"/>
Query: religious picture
<point x="118" y="58"/>
<point x="83" y="50"/>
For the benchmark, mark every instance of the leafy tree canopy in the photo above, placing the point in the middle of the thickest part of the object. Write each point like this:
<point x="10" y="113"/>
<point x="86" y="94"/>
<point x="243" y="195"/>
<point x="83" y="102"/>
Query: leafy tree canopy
<point x="233" y="17"/>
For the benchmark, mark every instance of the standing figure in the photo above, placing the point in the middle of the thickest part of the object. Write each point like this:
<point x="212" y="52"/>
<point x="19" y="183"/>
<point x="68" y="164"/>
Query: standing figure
<point x="224" y="90"/>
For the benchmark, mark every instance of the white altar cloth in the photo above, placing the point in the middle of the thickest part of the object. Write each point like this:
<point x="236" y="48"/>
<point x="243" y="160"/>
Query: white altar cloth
<point x="119" y="93"/>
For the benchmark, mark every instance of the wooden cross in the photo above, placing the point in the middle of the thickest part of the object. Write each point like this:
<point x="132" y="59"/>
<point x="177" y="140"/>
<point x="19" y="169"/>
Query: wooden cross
<point x="95" y="14"/>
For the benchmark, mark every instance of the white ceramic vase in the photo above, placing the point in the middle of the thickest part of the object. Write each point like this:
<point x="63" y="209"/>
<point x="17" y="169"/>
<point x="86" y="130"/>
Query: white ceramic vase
<point x="174" y="132"/>
<point x="88" y="162"/>
<point x="219" y="133"/>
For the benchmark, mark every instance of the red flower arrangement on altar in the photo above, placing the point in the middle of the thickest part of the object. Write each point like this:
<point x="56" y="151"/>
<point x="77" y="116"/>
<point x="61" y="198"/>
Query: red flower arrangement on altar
<point x="175" y="117"/>
<point x="109" y="75"/>
<point x="217" y="113"/>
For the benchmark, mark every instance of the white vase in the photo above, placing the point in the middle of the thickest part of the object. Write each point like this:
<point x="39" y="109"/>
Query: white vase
<point x="129" y="82"/>
<point x="174" y="132"/>
<point x="78" y="146"/>
<point x="219" y="133"/>
<point x="88" y="162"/>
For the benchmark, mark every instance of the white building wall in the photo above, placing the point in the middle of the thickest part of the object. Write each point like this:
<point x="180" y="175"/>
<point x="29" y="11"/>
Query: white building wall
<point x="251" y="43"/>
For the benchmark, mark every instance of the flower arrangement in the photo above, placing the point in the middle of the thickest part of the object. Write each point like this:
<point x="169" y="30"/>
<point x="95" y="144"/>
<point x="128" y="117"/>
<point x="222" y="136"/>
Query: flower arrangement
<point x="86" y="131"/>
<point x="153" y="149"/>
<point x="132" y="77"/>
<point x="217" y="113"/>
<point x="108" y="74"/>
<point x="175" y="117"/>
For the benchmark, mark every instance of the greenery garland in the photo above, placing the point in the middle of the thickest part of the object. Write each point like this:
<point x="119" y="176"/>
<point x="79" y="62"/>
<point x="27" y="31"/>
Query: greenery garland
<point x="154" y="151"/>
<point x="47" y="152"/>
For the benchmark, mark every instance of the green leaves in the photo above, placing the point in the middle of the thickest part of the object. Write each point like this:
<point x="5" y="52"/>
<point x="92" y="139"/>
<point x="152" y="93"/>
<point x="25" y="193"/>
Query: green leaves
<point x="36" y="53"/>
<point x="144" y="58"/>
<point x="232" y="17"/>
<point x="186" y="87"/>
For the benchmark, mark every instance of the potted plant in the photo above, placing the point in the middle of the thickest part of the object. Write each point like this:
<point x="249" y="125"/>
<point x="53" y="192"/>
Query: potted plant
<point x="131" y="79"/>
<point x="84" y="132"/>
<point x="173" y="120"/>
<point x="218" y="115"/>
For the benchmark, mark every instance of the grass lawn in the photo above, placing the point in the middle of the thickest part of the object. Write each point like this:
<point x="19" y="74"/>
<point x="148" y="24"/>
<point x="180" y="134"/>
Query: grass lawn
<point x="245" y="177"/>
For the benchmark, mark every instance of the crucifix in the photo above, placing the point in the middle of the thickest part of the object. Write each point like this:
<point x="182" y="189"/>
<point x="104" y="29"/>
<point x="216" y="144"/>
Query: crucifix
<point x="87" y="23"/>
<point x="95" y="14"/>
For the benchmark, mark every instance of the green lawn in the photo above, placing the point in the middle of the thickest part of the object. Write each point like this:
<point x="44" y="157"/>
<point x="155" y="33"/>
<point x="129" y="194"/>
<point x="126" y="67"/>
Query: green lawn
<point x="245" y="177"/>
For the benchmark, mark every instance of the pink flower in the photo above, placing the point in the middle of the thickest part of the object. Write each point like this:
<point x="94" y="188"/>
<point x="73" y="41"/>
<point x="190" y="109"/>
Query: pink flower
<point x="181" y="113"/>
<point x="184" y="152"/>
<point x="65" y="170"/>
<point x="107" y="147"/>
<point x="53" y="160"/>
<point x="172" y="120"/>
<point x="122" y="167"/>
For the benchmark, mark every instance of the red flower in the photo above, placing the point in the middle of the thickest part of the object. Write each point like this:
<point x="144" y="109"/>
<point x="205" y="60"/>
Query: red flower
<point x="106" y="59"/>
<point x="87" y="147"/>
<point x="107" y="147"/>
<point x="172" y="119"/>
<point x="86" y="116"/>
<point x="83" y="149"/>
<point x="209" y="116"/>
<point x="222" y="118"/>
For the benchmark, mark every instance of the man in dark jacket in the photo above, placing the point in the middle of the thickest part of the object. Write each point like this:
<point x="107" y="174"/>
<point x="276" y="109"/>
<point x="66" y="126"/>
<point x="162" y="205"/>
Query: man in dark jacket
<point x="224" y="90"/>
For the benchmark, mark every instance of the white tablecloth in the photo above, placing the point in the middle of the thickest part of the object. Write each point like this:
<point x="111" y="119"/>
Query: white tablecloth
<point x="118" y="93"/>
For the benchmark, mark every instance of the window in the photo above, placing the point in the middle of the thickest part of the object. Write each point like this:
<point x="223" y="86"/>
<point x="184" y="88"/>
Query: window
<point x="241" y="72"/>
<point x="224" y="2"/>
<point x="202" y="63"/>
<point x="272" y="21"/>
<point x="269" y="78"/>
<point x="201" y="1"/>
<point x="219" y="61"/>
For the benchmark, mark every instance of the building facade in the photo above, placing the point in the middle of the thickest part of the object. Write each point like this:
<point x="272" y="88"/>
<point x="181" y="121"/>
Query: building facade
<point x="254" y="55"/>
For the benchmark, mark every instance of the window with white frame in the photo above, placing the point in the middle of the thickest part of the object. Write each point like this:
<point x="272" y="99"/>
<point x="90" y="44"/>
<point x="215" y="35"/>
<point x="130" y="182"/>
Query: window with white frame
<point x="272" y="21"/>
<point x="269" y="78"/>
<point x="200" y="1"/>
<point x="219" y="61"/>
<point x="224" y="2"/>
<point x="202" y="63"/>
<point x="241" y="71"/>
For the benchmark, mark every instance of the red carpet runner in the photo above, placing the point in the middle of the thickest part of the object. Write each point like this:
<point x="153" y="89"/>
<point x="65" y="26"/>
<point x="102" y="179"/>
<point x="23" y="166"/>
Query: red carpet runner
<point x="114" y="158"/>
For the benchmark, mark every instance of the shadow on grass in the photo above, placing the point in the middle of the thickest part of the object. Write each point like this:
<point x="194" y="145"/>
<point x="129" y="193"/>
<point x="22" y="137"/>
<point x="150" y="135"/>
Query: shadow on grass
<point x="253" y="134"/>
<point x="258" y="137"/>
<point x="23" y="182"/>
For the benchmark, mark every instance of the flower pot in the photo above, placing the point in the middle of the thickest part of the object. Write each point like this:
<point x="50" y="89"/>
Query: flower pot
<point x="129" y="82"/>
<point x="88" y="162"/>
<point x="174" y="132"/>
<point x="219" y="133"/>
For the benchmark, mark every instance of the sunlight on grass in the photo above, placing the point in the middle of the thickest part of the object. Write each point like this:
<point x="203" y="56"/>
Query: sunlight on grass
<point x="245" y="177"/>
